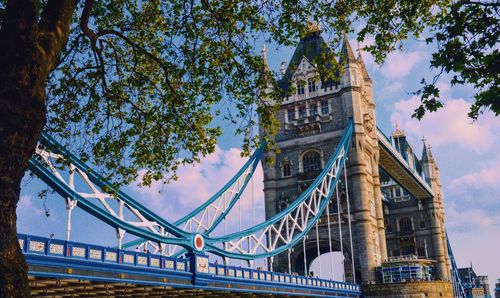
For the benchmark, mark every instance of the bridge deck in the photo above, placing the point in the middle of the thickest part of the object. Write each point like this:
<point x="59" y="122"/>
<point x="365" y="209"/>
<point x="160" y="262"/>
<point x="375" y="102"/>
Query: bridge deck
<point x="60" y="268"/>
<point x="399" y="170"/>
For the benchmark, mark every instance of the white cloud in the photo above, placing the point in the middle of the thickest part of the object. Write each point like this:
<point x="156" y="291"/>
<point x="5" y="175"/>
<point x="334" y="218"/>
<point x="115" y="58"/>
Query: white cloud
<point x="398" y="65"/>
<point x="26" y="205"/>
<point x="449" y="125"/>
<point x="477" y="190"/>
<point x="487" y="177"/>
<point x="391" y="88"/>
<point x="461" y="221"/>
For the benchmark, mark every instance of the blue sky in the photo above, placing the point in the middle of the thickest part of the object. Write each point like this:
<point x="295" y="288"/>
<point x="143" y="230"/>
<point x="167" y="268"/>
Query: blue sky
<point x="467" y="154"/>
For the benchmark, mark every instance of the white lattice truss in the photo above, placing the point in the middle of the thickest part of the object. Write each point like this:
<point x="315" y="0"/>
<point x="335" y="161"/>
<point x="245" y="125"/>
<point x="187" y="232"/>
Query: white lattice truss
<point x="285" y="231"/>
<point x="96" y="194"/>
<point x="207" y="217"/>
<point x="200" y="222"/>
<point x="204" y="220"/>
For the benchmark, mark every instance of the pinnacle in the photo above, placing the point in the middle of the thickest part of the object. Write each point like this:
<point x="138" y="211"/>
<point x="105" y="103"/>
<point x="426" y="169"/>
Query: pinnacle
<point x="347" y="50"/>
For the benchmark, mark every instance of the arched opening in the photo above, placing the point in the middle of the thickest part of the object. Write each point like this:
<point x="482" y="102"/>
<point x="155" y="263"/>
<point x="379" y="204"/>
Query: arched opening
<point x="342" y="266"/>
<point x="329" y="266"/>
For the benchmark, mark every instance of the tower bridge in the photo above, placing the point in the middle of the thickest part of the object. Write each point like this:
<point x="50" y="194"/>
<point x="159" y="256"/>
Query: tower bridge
<point x="338" y="184"/>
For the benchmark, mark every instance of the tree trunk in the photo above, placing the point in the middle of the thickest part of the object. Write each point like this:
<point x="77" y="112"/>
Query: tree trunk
<point x="22" y="116"/>
<point x="28" y="52"/>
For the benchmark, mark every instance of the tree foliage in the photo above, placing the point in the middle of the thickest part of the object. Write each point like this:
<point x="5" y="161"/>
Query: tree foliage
<point x="139" y="83"/>
<point x="467" y="39"/>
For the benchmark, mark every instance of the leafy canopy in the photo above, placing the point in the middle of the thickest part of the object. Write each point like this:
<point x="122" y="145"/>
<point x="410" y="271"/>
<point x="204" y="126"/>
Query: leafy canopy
<point x="467" y="39"/>
<point x="140" y="82"/>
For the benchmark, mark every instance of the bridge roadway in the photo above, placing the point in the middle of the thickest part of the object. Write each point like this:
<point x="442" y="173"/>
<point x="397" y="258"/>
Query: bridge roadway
<point x="399" y="169"/>
<point x="60" y="268"/>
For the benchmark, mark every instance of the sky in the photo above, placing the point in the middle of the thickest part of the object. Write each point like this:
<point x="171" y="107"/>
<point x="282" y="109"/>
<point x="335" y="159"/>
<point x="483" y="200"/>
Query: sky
<point x="467" y="154"/>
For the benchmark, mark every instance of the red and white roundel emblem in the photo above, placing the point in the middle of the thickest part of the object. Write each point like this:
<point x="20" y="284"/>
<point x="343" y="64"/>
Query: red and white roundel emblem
<point x="199" y="242"/>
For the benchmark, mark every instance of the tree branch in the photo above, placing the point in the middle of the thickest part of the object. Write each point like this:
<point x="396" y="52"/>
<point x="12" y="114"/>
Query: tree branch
<point x="486" y="4"/>
<point x="53" y="28"/>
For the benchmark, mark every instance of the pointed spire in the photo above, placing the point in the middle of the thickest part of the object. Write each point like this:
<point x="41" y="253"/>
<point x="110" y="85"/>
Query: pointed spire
<point x="264" y="57"/>
<point x="426" y="152"/>
<point x="398" y="132"/>
<point x="361" y="63"/>
<point x="346" y="51"/>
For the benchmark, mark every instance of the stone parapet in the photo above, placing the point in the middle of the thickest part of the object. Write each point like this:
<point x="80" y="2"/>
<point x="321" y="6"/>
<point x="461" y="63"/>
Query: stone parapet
<point x="409" y="290"/>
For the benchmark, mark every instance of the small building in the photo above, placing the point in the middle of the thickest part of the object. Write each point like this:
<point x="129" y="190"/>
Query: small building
<point x="497" y="288"/>
<point x="405" y="269"/>
<point x="475" y="286"/>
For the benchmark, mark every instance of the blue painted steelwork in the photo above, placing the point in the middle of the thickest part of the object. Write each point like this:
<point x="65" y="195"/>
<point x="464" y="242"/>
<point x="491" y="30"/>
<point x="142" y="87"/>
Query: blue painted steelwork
<point x="97" y="263"/>
<point x="458" y="288"/>
<point x="337" y="159"/>
<point x="252" y="162"/>
<point x="181" y="237"/>
<point x="322" y="187"/>
<point x="42" y="172"/>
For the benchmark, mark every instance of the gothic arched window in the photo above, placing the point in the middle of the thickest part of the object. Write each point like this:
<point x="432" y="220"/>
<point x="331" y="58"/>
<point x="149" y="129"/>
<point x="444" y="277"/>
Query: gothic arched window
<point x="405" y="224"/>
<point x="311" y="161"/>
<point x="286" y="168"/>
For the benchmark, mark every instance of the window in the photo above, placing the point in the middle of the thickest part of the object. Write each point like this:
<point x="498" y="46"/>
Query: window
<point x="300" y="88"/>
<point x="291" y="114"/>
<point x="389" y="228"/>
<point x="408" y="249"/>
<point x="287" y="169"/>
<point x="313" y="109"/>
<point x="398" y="192"/>
<point x="405" y="224"/>
<point x="311" y="162"/>
<point x="312" y="85"/>
<point x="324" y="108"/>
<point x="422" y="224"/>
<point x="302" y="112"/>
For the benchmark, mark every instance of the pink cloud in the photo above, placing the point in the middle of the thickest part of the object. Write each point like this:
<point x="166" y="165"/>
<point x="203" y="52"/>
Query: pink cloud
<point x="449" y="125"/>
<point x="488" y="177"/>
<point x="398" y="64"/>
<point x="468" y="219"/>
<point x="197" y="183"/>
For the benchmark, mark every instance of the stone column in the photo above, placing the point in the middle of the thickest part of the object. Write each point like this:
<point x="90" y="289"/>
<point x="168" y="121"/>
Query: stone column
<point x="379" y="208"/>
<point x="437" y="241"/>
<point x="361" y="209"/>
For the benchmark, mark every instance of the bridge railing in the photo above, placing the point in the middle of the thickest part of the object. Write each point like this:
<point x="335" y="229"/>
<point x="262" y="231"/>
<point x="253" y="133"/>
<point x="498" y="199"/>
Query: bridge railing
<point x="94" y="253"/>
<point x="35" y="245"/>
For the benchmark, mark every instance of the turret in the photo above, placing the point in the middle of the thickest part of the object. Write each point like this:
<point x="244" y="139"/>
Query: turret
<point x="351" y="75"/>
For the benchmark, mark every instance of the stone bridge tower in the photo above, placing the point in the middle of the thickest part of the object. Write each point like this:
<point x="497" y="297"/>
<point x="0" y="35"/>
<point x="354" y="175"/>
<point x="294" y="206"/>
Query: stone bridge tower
<point x="312" y="121"/>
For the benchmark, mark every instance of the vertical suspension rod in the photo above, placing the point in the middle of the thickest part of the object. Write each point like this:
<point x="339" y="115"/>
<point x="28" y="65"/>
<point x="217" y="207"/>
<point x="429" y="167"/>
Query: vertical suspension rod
<point x="239" y="219"/>
<point x="330" y="238"/>
<point x="340" y="228"/>
<point x="317" y="246"/>
<point x="305" y="258"/>
<point x="253" y="217"/>
<point x="289" y="262"/>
